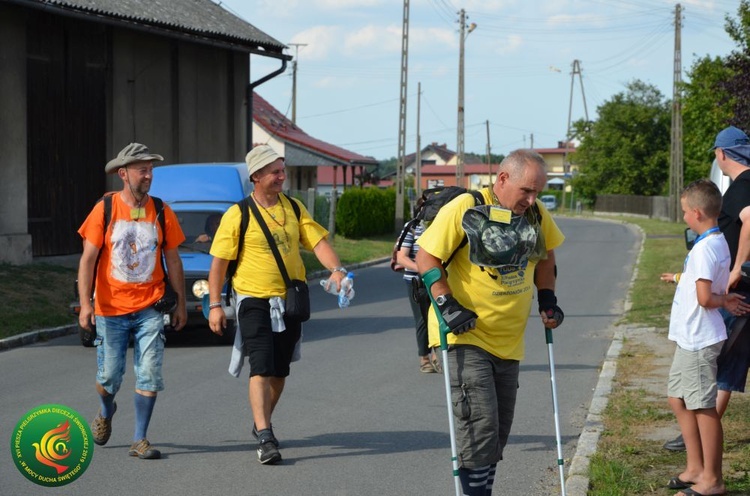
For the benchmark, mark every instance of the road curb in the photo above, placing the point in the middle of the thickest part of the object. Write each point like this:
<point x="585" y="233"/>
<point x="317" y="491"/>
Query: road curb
<point x="34" y="336"/>
<point x="577" y="483"/>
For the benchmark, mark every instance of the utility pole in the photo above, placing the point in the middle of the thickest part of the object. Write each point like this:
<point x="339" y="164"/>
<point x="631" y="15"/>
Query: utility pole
<point x="418" y="157"/>
<point x="531" y="141"/>
<point x="576" y="70"/>
<point x="675" y="156"/>
<point x="489" y="156"/>
<point x="294" y="80"/>
<point x="402" y="120"/>
<point x="463" y="33"/>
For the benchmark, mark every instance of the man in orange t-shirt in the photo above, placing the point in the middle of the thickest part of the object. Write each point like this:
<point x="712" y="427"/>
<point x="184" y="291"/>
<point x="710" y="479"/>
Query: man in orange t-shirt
<point x="126" y="260"/>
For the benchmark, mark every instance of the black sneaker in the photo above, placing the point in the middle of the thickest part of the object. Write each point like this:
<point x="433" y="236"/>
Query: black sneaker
<point x="268" y="453"/>
<point x="676" y="444"/>
<point x="273" y="439"/>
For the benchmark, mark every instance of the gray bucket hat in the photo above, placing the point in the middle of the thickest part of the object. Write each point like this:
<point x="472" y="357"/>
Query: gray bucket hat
<point x="509" y="242"/>
<point x="134" y="152"/>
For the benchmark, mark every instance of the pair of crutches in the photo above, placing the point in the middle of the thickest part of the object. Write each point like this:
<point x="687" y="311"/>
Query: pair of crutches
<point x="431" y="277"/>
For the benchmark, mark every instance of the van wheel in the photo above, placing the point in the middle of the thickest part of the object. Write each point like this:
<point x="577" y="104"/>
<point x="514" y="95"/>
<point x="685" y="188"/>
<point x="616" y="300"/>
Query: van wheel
<point x="87" y="337"/>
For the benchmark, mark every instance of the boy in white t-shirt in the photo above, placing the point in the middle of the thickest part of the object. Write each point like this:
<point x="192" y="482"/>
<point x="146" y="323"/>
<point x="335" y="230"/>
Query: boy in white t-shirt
<point x="697" y="327"/>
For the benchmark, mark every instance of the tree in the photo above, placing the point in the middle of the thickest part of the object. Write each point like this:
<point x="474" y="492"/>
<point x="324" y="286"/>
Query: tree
<point x="626" y="150"/>
<point x="738" y="85"/>
<point x="706" y="108"/>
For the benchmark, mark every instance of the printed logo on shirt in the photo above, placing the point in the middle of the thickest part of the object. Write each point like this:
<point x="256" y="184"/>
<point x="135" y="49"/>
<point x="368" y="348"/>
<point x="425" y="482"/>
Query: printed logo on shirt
<point x="133" y="251"/>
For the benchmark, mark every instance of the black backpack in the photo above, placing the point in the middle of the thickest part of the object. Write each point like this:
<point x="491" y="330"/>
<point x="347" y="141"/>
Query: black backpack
<point x="244" y="206"/>
<point x="429" y="204"/>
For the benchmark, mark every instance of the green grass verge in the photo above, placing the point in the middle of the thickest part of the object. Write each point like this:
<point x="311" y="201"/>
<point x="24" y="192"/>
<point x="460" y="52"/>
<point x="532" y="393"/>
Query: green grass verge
<point x="625" y="462"/>
<point x="35" y="296"/>
<point x="38" y="295"/>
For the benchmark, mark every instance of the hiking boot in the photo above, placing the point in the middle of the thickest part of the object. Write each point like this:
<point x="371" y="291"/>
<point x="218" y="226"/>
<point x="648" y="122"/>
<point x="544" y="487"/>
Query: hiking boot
<point x="101" y="427"/>
<point x="143" y="450"/>
<point x="273" y="439"/>
<point x="268" y="453"/>
<point x="676" y="444"/>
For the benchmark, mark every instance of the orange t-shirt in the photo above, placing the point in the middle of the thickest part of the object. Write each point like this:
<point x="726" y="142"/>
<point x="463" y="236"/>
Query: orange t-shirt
<point x="129" y="276"/>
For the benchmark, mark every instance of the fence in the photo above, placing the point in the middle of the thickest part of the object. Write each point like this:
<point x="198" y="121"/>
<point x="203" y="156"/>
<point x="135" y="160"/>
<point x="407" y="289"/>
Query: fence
<point x="648" y="206"/>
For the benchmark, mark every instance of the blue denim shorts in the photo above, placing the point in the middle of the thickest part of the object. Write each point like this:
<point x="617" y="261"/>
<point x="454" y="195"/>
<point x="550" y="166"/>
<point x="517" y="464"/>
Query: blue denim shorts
<point x="483" y="394"/>
<point x="112" y="337"/>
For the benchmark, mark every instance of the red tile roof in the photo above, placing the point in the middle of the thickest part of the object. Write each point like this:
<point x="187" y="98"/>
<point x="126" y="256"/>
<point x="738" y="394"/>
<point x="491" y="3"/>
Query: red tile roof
<point x="276" y="124"/>
<point x="450" y="170"/>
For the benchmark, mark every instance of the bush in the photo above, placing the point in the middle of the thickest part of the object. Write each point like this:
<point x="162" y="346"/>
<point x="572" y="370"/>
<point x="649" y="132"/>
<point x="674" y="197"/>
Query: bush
<point x="366" y="212"/>
<point x="321" y="209"/>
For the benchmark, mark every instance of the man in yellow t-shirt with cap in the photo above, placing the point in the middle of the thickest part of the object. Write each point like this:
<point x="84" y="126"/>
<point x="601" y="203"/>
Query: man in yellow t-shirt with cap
<point x="258" y="284"/>
<point x="485" y="299"/>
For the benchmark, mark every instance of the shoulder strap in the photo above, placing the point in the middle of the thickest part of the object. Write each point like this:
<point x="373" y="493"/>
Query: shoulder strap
<point x="159" y="207"/>
<point x="478" y="200"/>
<point x="295" y="206"/>
<point x="232" y="267"/>
<point x="271" y="243"/>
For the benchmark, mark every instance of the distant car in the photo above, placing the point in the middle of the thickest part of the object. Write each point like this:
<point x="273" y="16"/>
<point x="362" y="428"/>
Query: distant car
<point x="549" y="201"/>
<point x="199" y="194"/>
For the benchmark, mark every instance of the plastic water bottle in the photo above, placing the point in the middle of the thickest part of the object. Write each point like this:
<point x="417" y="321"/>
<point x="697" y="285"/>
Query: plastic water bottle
<point x="347" y="289"/>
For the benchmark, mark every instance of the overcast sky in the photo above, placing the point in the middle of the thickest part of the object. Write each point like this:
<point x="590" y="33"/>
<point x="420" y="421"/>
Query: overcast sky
<point x="518" y="64"/>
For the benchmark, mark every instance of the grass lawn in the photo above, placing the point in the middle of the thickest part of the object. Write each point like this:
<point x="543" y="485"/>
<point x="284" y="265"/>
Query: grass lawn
<point x="38" y="295"/>
<point x="628" y="460"/>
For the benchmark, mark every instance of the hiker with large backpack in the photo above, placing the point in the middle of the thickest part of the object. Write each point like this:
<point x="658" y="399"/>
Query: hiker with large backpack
<point x="407" y="249"/>
<point x="122" y="287"/>
<point x="264" y="234"/>
<point x="497" y="252"/>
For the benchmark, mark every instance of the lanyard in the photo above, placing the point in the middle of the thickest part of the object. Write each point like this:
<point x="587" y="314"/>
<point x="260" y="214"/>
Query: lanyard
<point x="708" y="232"/>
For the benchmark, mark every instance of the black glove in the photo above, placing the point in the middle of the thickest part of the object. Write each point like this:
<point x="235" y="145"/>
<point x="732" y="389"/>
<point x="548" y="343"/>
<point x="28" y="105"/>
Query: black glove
<point x="457" y="318"/>
<point x="548" y="305"/>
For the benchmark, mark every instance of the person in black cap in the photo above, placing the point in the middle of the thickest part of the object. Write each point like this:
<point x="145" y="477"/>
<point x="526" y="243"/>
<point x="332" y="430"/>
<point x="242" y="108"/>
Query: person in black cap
<point x="122" y="263"/>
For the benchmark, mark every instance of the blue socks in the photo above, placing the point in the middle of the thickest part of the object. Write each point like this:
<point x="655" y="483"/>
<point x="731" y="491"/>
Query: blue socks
<point x="108" y="405"/>
<point x="144" y="406"/>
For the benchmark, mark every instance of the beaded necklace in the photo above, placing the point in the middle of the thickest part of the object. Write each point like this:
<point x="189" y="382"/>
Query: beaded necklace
<point x="273" y="217"/>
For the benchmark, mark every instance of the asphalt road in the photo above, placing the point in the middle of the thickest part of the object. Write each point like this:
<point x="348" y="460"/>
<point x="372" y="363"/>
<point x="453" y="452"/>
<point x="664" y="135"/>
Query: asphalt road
<point x="357" y="416"/>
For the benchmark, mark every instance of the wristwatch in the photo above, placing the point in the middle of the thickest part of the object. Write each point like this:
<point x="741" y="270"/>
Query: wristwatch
<point x="441" y="299"/>
<point x="340" y="269"/>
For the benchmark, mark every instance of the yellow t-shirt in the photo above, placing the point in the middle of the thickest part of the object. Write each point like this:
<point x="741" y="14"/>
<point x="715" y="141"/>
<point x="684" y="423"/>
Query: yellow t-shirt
<point x="258" y="273"/>
<point x="500" y="298"/>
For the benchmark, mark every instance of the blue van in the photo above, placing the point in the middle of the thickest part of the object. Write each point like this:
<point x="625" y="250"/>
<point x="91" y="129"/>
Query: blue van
<point x="199" y="194"/>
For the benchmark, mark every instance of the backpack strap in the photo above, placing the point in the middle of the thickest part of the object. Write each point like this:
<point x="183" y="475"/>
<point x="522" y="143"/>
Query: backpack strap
<point x="243" y="205"/>
<point x="295" y="206"/>
<point x="159" y="207"/>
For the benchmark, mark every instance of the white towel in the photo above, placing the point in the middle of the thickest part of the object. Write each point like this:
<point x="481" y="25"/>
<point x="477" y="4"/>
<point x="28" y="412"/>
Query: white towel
<point x="237" y="360"/>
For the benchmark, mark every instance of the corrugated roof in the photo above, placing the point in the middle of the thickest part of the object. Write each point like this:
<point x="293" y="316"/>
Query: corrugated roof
<point x="276" y="124"/>
<point x="195" y="17"/>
